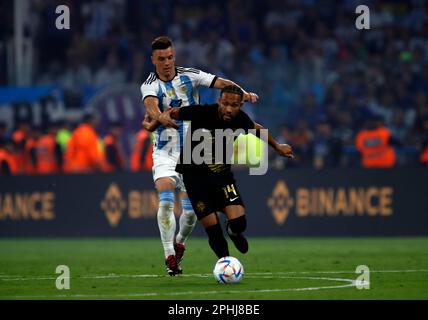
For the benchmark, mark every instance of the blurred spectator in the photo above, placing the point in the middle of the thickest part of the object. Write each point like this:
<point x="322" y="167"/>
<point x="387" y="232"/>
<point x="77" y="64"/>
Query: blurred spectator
<point x="141" y="156"/>
<point x="8" y="165"/>
<point x="84" y="153"/>
<point x="301" y="140"/>
<point x="421" y="104"/>
<point x="374" y="144"/>
<point x="30" y="146"/>
<point x="309" y="110"/>
<point x="76" y="77"/>
<point x="3" y="130"/>
<point x="19" y="139"/>
<point x="423" y="158"/>
<point x="137" y="72"/>
<point x="99" y="18"/>
<point x="53" y="75"/>
<point x="326" y="148"/>
<point x="46" y="152"/>
<point x="284" y="136"/>
<point x="63" y="134"/>
<point x="398" y="126"/>
<point x="113" y="154"/>
<point x="385" y="108"/>
<point x="111" y="73"/>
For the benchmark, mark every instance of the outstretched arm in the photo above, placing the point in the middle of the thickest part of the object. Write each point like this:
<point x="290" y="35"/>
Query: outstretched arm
<point x="284" y="150"/>
<point x="152" y="106"/>
<point x="185" y="113"/>
<point x="220" y="83"/>
<point x="169" y="115"/>
<point x="174" y="113"/>
<point x="150" y="125"/>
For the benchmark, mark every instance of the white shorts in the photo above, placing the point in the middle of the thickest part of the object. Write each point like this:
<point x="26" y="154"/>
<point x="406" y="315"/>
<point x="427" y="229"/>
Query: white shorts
<point x="164" y="167"/>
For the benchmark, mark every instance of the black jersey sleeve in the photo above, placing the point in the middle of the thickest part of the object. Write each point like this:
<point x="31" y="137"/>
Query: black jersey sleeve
<point x="197" y="112"/>
<point x="194" y="112"/>
<point x="245" y="122"/>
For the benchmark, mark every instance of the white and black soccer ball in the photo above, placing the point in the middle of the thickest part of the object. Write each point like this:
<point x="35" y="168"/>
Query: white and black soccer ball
<point x="228" y="270"/>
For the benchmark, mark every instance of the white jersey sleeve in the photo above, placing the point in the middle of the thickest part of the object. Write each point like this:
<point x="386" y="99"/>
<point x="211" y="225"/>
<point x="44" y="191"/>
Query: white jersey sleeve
<point x="149" y="87"/>
<point x="205" y="79"/>
<point x="199" y="77"/>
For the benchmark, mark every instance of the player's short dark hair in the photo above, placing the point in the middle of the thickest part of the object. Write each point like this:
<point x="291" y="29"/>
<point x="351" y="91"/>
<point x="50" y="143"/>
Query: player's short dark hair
<point x="161" y="43"/>
<point x="232" y="89"/>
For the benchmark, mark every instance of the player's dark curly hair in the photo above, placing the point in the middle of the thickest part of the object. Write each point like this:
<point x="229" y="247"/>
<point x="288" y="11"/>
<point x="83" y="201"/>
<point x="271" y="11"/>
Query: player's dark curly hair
<point x="161" y="43"/>
<point x="232" y="89"/>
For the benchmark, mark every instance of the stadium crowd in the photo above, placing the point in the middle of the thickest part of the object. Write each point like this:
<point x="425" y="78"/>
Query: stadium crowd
<point x="340" y="96"/>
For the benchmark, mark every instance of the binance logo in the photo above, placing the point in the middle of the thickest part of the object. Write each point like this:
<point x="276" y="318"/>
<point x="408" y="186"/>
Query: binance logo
<point x="330" y="202"/>
<point x="113" y="204"/>
<point x="280" y="202"/>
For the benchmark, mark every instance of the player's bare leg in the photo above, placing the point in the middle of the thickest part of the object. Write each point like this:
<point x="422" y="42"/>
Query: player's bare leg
<point x="216" y="239"/>
<point x="187" y="223"/>
<point x="235" y="226"/>
<point x="166" y="221"/>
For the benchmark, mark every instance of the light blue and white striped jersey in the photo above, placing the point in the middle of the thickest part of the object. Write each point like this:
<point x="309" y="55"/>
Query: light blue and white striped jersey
<point x="181" y="91"/>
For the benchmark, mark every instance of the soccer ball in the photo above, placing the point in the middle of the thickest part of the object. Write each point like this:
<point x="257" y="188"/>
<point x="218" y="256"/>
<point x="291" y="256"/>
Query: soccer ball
<point x="228" y="270"/>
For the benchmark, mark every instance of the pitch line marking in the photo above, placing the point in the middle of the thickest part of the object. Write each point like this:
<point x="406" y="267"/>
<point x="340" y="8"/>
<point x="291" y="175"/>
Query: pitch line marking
<point x="349" y="283"/>
<point x="267" y="274"/>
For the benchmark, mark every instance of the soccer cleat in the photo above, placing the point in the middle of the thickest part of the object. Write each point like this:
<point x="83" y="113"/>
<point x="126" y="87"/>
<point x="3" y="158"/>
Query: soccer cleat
<point x="172" y="267"/>
<point x="179" y="252"/>
<point x="238" y="240"/>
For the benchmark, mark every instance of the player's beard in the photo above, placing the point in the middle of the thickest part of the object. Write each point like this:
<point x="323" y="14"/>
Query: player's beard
<point x="227" y="117"/>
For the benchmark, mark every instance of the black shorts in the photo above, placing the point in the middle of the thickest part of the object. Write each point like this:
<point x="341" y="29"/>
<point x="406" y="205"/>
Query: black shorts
<point x="211" y="193"/>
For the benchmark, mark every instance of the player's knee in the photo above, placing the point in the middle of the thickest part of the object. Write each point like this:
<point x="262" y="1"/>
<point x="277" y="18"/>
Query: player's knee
<point x="237" y="225"/>
<point x="188" y="212"/>
<point x="190" y="217"/>
<point x="166" y="201"/>
<point x="165" y="184"/>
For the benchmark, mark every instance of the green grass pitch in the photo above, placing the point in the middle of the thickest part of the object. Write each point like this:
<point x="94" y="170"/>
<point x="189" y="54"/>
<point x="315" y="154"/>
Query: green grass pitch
<point x="275" y="268"/>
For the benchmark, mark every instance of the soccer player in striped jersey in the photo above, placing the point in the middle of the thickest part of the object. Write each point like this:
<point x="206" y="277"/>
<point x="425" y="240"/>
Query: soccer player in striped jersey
<point x="171" y="87"/>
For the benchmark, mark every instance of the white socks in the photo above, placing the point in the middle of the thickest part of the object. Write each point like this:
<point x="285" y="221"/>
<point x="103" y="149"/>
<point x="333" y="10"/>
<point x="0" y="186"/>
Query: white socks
<point x="187" y="221"/>
<point x="166" y="221"/>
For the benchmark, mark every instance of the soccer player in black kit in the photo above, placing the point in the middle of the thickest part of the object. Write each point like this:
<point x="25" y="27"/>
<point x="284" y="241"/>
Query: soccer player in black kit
<point x="210" y="185"/>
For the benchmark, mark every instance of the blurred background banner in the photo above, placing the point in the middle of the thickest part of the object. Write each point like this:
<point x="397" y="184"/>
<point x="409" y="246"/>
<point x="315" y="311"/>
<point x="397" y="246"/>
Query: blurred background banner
<point x="332" y="202"/>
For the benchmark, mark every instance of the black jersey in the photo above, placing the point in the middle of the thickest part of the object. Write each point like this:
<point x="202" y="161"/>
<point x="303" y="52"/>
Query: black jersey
<point x="206" y="124"/>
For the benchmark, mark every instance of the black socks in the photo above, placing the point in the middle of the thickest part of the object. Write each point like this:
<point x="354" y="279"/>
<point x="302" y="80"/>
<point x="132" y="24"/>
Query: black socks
<point x="217" y="241"/>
